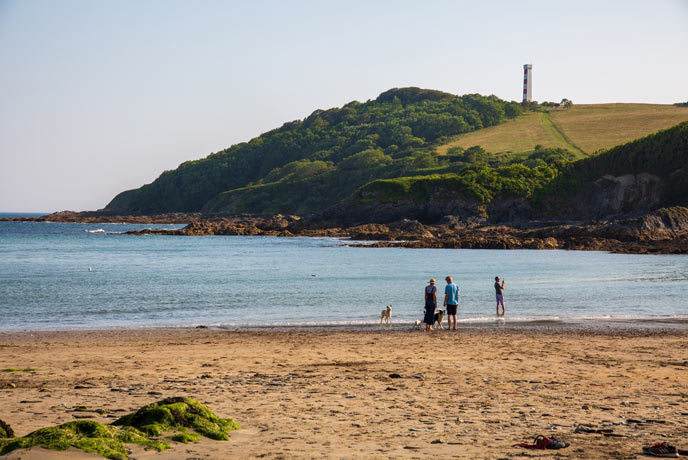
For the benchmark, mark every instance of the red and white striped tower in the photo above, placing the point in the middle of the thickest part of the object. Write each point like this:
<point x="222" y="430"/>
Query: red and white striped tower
<point x="527" y="82"/>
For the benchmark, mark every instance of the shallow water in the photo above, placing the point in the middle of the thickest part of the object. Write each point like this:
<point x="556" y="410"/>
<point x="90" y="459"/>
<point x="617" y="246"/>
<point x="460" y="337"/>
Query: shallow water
<point x="160" y="281"/>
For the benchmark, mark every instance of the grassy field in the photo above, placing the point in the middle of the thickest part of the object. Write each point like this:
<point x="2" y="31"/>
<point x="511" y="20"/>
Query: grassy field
<point x="582" y="129"/>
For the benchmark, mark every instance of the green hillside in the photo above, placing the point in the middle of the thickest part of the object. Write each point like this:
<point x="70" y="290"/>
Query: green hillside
<point x="663" y="155"/>
<point x="481" y="146"/>
<point x="581" y="129"/>
<point x="309" y="164"/>
<point x="578" y="189"/>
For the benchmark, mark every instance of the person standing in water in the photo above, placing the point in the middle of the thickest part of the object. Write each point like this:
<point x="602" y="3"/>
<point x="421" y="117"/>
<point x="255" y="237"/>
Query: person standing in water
<point x="430" y="304"/>
<point x="451" y="301"/>
<point x="500" y="295"/>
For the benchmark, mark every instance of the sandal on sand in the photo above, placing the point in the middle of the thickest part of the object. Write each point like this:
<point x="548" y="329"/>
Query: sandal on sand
<point x="555" y="443"/>
<point x="661" y="449"/>
<point x="543" y="442"/>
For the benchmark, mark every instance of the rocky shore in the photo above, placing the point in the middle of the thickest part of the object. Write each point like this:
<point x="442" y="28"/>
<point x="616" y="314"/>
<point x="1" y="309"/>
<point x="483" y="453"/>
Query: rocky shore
<point x="92" y="217"/>
<point x="664" y="231"/>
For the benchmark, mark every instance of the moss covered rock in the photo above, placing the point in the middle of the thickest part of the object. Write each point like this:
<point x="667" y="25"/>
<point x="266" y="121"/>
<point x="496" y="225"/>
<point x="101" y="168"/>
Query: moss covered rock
<point x="178" y="414"/>
<point x="87" y="435"/>
<point x="5" y="430"/>
<point x="186" y="437"/>
<point x="172" y="414"/>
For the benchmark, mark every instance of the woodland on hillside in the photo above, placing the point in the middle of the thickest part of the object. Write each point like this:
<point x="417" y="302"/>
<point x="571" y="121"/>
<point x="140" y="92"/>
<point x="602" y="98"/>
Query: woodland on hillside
<point x="389" y="145"/>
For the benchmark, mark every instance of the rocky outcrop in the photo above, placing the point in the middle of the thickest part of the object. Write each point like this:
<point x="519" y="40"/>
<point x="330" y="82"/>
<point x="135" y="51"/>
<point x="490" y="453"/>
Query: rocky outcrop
<point x="611" y="196"/>
<point x="663" y="231"/>
<point x="103" y="217"/>
<point x="464" y="225"/>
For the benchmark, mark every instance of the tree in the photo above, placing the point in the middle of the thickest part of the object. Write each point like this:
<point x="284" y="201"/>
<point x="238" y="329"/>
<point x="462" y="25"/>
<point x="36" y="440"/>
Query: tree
<point x="366" y="159"/>
<point x="566" y="103"/>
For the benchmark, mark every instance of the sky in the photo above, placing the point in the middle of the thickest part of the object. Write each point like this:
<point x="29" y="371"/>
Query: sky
<point x="101" y="96"/>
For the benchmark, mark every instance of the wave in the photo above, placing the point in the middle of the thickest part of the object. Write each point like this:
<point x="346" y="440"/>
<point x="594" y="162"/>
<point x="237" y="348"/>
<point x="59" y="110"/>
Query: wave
<point x="103" y="231"/>
<point x="486" y="320"/>
<point x="608" y="321"/>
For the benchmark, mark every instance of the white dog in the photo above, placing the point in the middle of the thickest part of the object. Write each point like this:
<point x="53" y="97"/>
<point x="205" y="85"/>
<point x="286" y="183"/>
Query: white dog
<point x="386" y="316"/>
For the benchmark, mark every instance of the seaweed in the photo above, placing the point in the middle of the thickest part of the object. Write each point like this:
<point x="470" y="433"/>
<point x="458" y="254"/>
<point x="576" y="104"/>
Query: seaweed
<point x="6" y="430"/>
<point x="176" y="414"/>
<point x="186" y="437"/>
<point x="141" y="427"/>
<point x="87" y="435"/>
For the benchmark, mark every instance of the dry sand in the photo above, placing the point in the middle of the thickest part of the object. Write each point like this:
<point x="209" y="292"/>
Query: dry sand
<point x="331" y="394"/>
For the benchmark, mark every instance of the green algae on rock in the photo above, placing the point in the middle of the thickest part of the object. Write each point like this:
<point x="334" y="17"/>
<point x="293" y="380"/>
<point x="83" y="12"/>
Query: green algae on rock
<point x="186" y="437"/>
<point x="87" y="435"/>
<point x="171" y="414"/>
<point x="179" y="413"/>
<point x="13" y="369"/>
<point x="5" y="430"/>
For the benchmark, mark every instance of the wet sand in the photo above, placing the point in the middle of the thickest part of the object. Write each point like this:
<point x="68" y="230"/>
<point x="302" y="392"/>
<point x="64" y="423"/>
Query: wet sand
<point x="364" y="394"/>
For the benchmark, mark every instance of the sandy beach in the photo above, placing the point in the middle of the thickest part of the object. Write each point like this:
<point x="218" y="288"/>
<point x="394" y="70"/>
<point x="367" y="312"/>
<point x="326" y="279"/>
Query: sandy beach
<point x="370" y="394"/>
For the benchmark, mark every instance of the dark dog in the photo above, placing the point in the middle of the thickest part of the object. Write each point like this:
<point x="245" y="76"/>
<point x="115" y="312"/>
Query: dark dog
<point x="439" y="317"/>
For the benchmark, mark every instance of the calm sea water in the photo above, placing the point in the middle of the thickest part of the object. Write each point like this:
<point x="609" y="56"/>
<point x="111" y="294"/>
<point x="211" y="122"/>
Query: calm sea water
<point x="161" y="281"/>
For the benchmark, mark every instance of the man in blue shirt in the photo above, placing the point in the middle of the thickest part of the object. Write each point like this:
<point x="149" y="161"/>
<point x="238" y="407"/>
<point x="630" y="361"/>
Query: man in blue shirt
<point x="451" y="301"/>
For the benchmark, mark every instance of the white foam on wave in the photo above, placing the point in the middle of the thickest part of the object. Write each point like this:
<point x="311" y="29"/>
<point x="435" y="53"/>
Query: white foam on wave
<point x="621" y="320"/>
<point x="476" y="320"/>
<point x="100" y="230"/>
<point x="678" y="320"/>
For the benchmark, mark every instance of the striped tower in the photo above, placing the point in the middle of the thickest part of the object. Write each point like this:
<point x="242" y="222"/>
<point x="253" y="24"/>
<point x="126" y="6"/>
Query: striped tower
<point x="527" y="82"/>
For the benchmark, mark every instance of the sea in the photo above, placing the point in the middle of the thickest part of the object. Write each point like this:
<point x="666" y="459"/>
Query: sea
<point x="74" y="276"/>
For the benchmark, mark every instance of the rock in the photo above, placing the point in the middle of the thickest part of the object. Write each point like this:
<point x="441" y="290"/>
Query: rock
<point x="176" y="414"/>
<point x="5" y="430"/>
<point x="662" y="231"/>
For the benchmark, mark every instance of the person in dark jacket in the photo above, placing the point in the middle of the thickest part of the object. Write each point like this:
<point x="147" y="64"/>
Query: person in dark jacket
<point x="430" y="304"/>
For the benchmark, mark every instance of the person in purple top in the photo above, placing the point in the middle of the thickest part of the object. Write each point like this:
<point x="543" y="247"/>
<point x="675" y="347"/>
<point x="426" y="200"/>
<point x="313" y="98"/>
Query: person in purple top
<point x="500" y="295"/>
<point x="430" y="304"/>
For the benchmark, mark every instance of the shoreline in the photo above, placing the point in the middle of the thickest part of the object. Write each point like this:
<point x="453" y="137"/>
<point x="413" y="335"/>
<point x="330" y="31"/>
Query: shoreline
<point x="524" y="325"/>
<point x="373" y="394"/>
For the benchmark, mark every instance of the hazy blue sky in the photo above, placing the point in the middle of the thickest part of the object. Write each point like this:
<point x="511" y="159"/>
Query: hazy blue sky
<point x="101" y="96"/>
